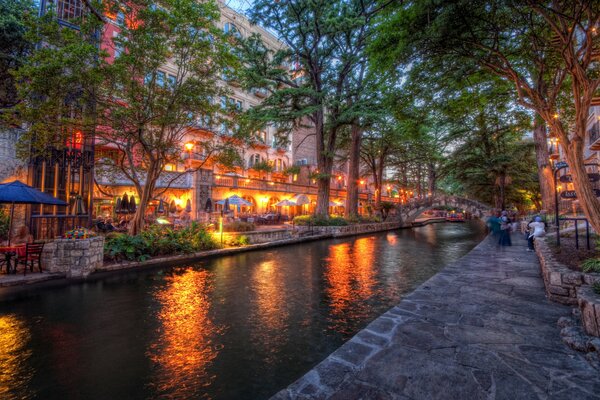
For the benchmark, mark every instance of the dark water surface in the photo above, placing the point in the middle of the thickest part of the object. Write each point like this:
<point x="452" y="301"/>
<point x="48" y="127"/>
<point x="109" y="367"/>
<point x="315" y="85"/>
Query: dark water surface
<point x="237" y="327"/>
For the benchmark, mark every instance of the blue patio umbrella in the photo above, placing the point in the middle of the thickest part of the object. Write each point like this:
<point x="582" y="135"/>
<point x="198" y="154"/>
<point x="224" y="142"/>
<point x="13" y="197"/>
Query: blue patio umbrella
<point x="17" y="192"/>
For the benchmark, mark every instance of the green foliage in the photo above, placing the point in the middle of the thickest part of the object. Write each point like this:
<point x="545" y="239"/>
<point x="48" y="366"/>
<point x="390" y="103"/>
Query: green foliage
<point x="262" y="166"/>
<point x="596" y="287"/>
<point x="158" y="241"/>
<point x="120" y="246"/>
<point x="4" y="223"/>
<point x="239" y="241"/>
<point x="239" y="226"/>
<point x="316" y="221"/>
<point x="292" y="170"/>
<point x="591" y="265"/>
<point x="13" y="45"/>
<point x="144" y="109"/>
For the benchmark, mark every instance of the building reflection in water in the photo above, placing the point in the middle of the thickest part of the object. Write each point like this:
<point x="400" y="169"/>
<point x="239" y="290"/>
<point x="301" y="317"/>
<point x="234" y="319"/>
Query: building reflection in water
<point x="350" y="279"/>
<point x="15" y="373"/>
<point x="186" y="343"/>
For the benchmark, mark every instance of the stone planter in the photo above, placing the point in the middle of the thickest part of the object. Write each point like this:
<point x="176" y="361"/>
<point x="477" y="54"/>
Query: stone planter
<point x="75" y="258"/>
<point x="589" y="304"/>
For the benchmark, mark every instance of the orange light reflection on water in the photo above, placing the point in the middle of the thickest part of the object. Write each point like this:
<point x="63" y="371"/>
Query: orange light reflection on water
<point x="185" y="347"/>
<point x="350" y="277"/>
<point x="14" y="373"/>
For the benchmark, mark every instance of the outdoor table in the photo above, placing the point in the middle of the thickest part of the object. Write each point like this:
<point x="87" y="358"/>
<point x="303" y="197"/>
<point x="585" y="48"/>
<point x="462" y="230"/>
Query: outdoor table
<point x="9" y="252"/>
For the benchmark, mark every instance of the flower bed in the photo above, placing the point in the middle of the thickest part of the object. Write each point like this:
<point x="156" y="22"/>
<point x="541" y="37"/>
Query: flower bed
<point x="561" y="282"/>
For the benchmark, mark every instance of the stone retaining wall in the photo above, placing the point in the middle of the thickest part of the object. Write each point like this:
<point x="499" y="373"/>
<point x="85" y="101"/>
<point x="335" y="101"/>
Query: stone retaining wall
<point x="349" y="230"/>
<point x="589" y="304"/>
<point x="561" y="282"/>
<point x="75" y="258"/>
<point x="255" y="237"/>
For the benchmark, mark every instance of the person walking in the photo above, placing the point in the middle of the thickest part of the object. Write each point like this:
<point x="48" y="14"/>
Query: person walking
<point x="505" y="228"/>
<point x="493" y="224"/>
<point x="537" y="229"/>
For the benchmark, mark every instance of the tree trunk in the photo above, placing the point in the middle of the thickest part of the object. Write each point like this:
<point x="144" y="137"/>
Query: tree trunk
<point x="353" y="173"/>
<point x="544" y="169"/>
<point x="501" y="192"/>
<point x="137" y="223"/>
<point x="431" y="178"/>
<point x="379" y="181"/>
<point x="585" y="193"/>
<point x="324" y="165"/>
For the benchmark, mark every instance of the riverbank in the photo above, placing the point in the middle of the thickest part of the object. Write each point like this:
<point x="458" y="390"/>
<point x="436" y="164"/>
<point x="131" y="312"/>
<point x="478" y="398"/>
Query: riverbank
<point x="306" y="234"/>
<point x="481" y="328"/>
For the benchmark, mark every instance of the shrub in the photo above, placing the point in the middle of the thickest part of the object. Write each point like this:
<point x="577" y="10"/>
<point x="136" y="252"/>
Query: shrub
<point x="596" y="287"/>
<point x="315" y="221"/>
<point x="591" y="265"/>
<point x="158" y="240"/>
<point x="239" y="241"/>
<point x="121" y="246"/>
<point x="239" y="226"/>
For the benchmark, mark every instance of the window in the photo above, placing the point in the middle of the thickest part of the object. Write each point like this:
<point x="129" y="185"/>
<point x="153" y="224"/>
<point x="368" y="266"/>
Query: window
<point x="148" y="78"/>
<point x="118" y="46"/>
<point x="69" y="9"/>
<point x="120" y="18"/>
<point x="231" y="29"/>
<point x="172" y="81"/>
<point x="170" y="167"/>
<point x="223" y="102"/>
<point x="160" y="78"/>
<point x="239" y="105"/>
<point x="254" y="159"/>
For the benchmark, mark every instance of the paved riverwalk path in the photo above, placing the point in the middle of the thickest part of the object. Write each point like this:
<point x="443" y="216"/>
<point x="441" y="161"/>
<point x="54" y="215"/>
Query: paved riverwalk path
<point x="480" y="329"/>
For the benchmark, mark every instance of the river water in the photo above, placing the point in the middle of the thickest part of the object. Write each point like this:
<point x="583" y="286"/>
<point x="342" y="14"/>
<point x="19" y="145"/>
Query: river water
<point x="236" y="327"/>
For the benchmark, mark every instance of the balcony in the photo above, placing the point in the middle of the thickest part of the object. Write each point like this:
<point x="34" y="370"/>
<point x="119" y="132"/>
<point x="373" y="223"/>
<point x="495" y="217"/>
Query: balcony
<point x="174" y="180"/>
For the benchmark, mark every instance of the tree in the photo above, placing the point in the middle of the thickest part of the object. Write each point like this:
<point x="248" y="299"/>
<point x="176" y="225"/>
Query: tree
<point x="14" y="46"/>
<point x="324" y="46"/>
<point x="141" y="104"/>
<point x="159" y="85"/>
<point x="545" y="49"/>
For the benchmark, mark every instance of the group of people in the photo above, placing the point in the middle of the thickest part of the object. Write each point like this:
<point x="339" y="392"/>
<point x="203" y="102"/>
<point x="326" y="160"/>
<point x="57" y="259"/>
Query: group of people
<point x="106" y="225"/>
<point x="502" y="224"/>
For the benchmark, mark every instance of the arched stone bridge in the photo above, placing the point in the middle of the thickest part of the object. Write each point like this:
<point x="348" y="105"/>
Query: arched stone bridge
<point x="411" y="211"/>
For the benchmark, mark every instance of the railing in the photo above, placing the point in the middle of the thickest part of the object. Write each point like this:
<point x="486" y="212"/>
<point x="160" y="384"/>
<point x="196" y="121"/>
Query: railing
<point x="175" y="180"/>
<point x="235" y="182"/>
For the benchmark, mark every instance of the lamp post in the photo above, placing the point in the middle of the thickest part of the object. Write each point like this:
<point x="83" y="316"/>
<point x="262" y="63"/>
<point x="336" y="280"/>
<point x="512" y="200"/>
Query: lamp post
<point x="189" y="146"/>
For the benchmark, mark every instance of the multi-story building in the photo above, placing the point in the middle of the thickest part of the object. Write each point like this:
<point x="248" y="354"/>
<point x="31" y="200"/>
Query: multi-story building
<point x="196" y="184"/>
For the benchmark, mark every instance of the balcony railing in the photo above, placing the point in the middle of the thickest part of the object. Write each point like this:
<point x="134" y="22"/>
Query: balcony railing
<point x="235" y="182"/>
<point x="175" y="180"/>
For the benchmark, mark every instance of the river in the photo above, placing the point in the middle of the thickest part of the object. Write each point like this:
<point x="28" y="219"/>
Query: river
<point x="235" y="327"/>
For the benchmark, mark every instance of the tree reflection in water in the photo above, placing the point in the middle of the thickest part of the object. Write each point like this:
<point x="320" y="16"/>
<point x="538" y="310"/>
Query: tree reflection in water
<point x="186" y="343"/>
<point x="350" y="281"/>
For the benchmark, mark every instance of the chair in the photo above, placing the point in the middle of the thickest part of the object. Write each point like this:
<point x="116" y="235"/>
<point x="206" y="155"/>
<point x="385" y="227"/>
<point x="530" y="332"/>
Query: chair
<point x="33" y="254"/>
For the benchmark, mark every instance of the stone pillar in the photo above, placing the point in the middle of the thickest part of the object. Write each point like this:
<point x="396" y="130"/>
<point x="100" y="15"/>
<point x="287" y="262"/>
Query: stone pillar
<point x="203" y="179"/>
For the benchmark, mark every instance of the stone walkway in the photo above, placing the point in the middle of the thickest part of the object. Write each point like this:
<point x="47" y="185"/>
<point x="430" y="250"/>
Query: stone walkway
<point x="480" y="329"/>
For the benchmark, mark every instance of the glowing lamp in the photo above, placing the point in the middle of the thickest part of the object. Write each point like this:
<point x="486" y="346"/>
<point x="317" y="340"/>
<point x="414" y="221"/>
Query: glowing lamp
<point x="189" y="146"/>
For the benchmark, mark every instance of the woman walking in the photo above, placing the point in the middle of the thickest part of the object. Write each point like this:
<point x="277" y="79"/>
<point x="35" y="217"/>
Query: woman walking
<point x="505" y="227"/>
